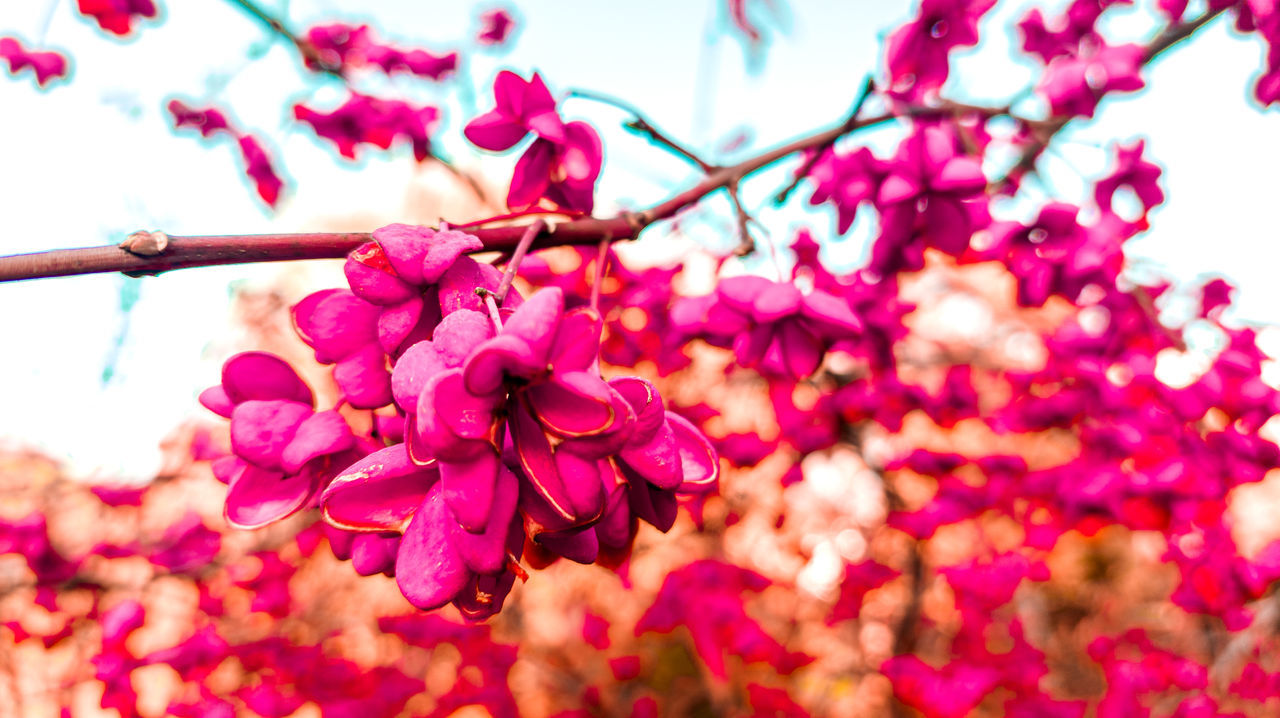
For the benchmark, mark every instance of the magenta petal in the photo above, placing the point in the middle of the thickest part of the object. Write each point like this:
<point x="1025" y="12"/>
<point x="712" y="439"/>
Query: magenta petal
<point x="775" y="302"/>
<point x="379" y="492"/>
<point x="581" y="546"/>
<point x="801" y="351"/>
<point x="577" y="342"/>
<point x="397" y="322"/>
<point x="419" y="363"/>
<point x="506" y="354"/>
<point x="261" y="429"/>
<point x="467" y="416"/>
<point x="584" y="482"/>
<point x="898" y="187"/>
<point x="645" y="402"/>
<point x="509" y="91"/>
<point x="322" y="433"/>
<point x="751" y="346"/>
<point x="379" y="286"/>
<point x="259" y="375"/>
<point x="531" y="176"/>
<point x="429" y="570"/>
<point x="655" y="506"/>
<point x="374" y="553"/>
<point x="215" y="399"/>
<point x="537" y="321"/>
<point x="657" y="460"/>
<point x="547" y="125"/>
<point x="581" y="156"/>
<point x="404" y="245"/>
<point x="458" y="334"/>
<point x="698" y="460"/>
<point x="459" y="283"/>
<point x="487" y="552"/>
<point x="741" y="292"/>
<point x="494" y="131"/>
<point x="832" y="314"/>
<point x="573" y="404"/>
<point x="443" y="249"/>
<point x="336" y="323"/>
<point x="468" y="488"/>
<point x="536" y="98"/>
<point x="257" y="497"/>
<point x="614" y="529"/>
<point x="364" y="379"/>
<point x="533" y="452"/>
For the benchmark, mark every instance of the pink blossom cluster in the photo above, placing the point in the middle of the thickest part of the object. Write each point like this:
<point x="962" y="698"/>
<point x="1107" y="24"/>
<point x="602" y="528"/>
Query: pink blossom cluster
<point x="341" y="46"/>
<point x="257" y="162"/>
<point x="500" y="427"/>
<point x="46" y="65"/>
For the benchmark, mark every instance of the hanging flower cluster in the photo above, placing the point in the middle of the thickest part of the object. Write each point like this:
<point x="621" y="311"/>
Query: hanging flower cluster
<point x="505" y="433"/>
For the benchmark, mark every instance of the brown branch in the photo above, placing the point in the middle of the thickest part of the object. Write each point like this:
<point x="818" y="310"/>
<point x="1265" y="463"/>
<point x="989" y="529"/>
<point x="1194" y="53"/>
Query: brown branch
<point x="868" y="87"/>
<point x="277" y="26"/>
<point x="641" y="125"/>
<point x="200" y="251"/>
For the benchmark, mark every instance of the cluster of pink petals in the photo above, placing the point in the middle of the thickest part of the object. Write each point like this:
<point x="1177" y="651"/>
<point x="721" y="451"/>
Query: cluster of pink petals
<point x="563" y="161"/>
<point x="257" y="162"/>
<point x="495" y="27"/>
<point x="341" y="46"/>
<point x="117" y="16"/>
<point x="283" y="451"/>
<point x="44" y="64"/>
<point x="373" y="121"/>
<point x="772" y="325"/>
<point x="502" y="434"/>
<point x="917" y="53"/>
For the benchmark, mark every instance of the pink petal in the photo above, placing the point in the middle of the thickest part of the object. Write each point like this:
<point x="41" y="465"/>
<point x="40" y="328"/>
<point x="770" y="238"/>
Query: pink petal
<point x="404" y="246"/>
<point x="459" y="283"/>
<point x="584" y="482"/>
<point x="533" y="452"/>
<point x="215" y="399"/>
<point x="573" y="404"/>
<point x="257" y="497"/>
<point x="458" y="335"/>
<point x="468" y="488"/>
<point x="657" y="460"/>
<point x="780" y="300"/>
<point x="494" y="131"/>
<point x="320" y="434"/>
<point x="801" y="351"/>
<point x="443" y="249"/>
<point x="740" y="292"/>
<point x="336" y="323"/>
<point x="645" y="402"/>
<point x="509" y="92"/>
<point x="260" y="430"/>
<point x="397" y="322"/>
<point x="577" y="344"/>
<point x="467" y="415"/>
<point x="378" y="493"/>
<point x="259" y="375"/>
<point x="581" y="546"/>
<point x="364" y="379"/>
<point x="698" y="460"/>
<point x="429" y="570"/>
<point x="412" y="371"/>
<point x="496" y="359"/>
<point x="531" y="176"/>
<point x="487" y="552"/>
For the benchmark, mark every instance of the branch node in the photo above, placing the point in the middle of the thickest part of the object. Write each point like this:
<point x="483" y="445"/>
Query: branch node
<point x="145" y="244"/>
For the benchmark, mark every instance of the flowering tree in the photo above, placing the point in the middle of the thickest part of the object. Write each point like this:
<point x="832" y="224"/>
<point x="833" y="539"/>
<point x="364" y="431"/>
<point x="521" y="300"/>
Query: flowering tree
<point x="1033" y="520"/>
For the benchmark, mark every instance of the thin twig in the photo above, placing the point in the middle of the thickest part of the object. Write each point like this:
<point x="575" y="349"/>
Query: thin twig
<point x="746" y="243"/>
<point x="642" y="125"/>
<point x="277" y="26"/>
<point x="868" y="87"/>
<point x="526" y="240"/>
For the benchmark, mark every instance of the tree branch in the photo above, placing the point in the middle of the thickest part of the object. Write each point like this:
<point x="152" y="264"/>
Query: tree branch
<point x="641" y="125"/>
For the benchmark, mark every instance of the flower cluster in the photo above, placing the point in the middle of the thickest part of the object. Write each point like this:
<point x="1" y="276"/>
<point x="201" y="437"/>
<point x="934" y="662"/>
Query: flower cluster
<point x="117" y="16"/>
<point x="504" y="429"/>
<point x="563" y="161"/>
<point x="373" y="121"/>
<point x="341" y="46"/>
<point x="44" y="64"/>
<point x="257" y="163"/>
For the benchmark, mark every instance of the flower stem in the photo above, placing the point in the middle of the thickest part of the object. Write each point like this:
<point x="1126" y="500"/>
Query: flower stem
<point x="530" y="233"/>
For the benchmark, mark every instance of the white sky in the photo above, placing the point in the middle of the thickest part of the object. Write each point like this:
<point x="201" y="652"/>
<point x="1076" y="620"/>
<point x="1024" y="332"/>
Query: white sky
<point x="90" y="160"/>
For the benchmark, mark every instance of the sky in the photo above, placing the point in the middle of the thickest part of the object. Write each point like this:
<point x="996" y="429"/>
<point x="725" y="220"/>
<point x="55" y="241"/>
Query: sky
<point x="90" y="160"/>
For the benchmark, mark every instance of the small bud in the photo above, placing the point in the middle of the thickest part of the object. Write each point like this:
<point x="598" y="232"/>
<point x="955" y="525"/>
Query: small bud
<point x="145" y="244"/>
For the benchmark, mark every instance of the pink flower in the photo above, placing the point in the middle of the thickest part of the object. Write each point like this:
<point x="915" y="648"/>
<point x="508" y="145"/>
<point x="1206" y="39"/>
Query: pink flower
<point x="563" y="161"/>
<point x="1073" y="84"/>
<point x="117" y="16"/>
<point x="495" y="27"/>
<point x="370" y="120"/>
<point x="916" y="53"/>
<point x="45" y="65"/>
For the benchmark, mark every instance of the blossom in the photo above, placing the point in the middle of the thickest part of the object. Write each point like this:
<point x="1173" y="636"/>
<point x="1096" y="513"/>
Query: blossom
<point x="341" y="46"/>
<point x="1073" y="84"/>
<point x="45" y="65"/>
<point x="363" y="119"/>
<point x="283" y="450"/>
<point x="916" y="53"/>
<point x="563" y="161"/>
<point x="495" y="27"/>
<point x="117" y="16"/>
